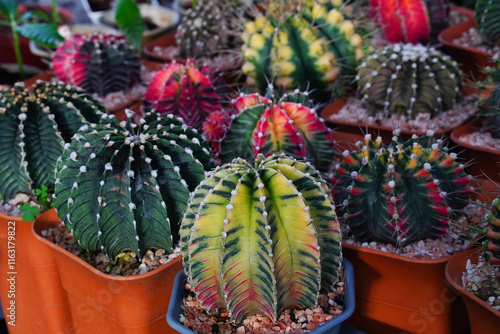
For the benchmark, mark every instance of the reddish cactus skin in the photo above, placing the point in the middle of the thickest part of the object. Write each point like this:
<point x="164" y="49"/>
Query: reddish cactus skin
<point x="214" y="129"/>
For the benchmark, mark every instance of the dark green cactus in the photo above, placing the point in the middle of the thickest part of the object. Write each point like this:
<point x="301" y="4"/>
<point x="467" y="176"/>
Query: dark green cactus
<point x="122" y="186"/>
<point x="402" y="192"/>
<point x="489" y="100"/>
<point x="406" y="80"/>
<point x="34" y="125"/>
<point x="260" y="238"/>
<point x="487" y="17"/>
<point x="493" y="233"/>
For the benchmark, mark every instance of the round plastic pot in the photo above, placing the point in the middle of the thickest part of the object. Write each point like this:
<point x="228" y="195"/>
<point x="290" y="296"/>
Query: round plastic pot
<point x="484" y="161"/>
<point x="30" y="279"/>
<point x="482" y="317"/>
<point x="396" y="293"/>
<point x="331" y="327"/>
<point x="102" y="303"/>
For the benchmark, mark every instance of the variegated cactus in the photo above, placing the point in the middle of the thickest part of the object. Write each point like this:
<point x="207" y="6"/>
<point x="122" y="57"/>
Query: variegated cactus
<point x="399" y="193"/>
<point x="407" y="80"/>
<point x="257" y="239"/>
<point x="34" y="125"/>
<point x="123" y="186"/>
<point x="267" y="125"/>
<point x="302" y="44"/>
<point x="486" y="13"/>
<point x="493" y="233"/>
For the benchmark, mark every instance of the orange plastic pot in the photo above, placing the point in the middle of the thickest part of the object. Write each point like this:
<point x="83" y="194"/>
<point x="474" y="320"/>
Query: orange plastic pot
<point x="102" y="303"/>
<point x="482" y="317"/>
<point x="32" y="283"/>
<point x="396" y="293"/>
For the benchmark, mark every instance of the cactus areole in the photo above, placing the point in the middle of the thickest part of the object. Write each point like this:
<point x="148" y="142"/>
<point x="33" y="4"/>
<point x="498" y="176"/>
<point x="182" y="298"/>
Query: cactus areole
<point x="399" y="193"/>
<point x="124" y="186"/>
<point x="257" y="239"/>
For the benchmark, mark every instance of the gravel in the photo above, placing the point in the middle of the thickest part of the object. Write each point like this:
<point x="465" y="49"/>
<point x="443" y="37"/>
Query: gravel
<point x="481" y="139"/>
<point x="483" y="280"/>
<point x="472" y="38"/>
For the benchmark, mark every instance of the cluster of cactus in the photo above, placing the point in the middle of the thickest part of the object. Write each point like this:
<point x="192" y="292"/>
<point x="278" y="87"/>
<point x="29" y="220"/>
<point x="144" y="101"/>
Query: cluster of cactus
<point x="489" y="101"/>
<point x="272" y="225"/>
<point x="187" y="91"/>
<point x="267" y="125"/>
<point x="399" y="193"/>
<point x="486" y="14"/>
<point x="301" y="44"/>
<point x="406" y="80"/>
<point x="493" y="233"/>
<point x="100" y="64"/>
<point x="210" y="28"/>
<point x="34" y="125"/>
<point x="124" y="186"/>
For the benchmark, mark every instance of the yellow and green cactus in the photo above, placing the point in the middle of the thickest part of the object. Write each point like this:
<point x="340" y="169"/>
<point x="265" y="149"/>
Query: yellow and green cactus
<point x="257" y="239"/>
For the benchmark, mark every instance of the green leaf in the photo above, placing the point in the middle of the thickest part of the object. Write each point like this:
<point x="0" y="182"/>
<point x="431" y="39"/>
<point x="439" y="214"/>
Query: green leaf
<point x="8" y="8"/>
<point x="129" y="21"/>
<point x="41" y="33"/>
<point x="28" y="217"/>
<point x="36" y="14"/>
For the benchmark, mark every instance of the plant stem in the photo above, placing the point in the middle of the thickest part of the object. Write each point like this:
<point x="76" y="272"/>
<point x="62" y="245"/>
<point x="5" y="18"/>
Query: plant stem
<point x="17" y="48"/>
<point x="55" y="12"/>
<point x="194" y="3"/>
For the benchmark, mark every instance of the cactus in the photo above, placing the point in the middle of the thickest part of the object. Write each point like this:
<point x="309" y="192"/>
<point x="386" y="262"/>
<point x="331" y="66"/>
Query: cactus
<point x="407" y="80"/>
<point x="187" y="91"/>
<point x="486" y="14"/>
<point x="489" y="101"/>
<point x="115" y="180"/>
<point x="270" y="125"/>
<point x="493" y="233"/>
<point x="34" y="125"/>
<point x="261" y="238"/>
<point x="214" y="129"/>
<point x="98" y="63"/>
<point x="399" y="193"/>
<point x="402" y="20"/>
<point x="302" y="44"/>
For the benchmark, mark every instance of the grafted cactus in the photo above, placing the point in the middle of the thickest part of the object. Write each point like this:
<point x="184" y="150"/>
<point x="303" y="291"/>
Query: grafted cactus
<point x="301" y="44"/>
<point x="493" y="233"/>
<point x="486" y="14"/>
<point x="400" y="193"/>
<point x="260" y="238"/>
<point x="214" y="129"/>
<point x="122" y="186"/>
<point x="98" y="63"/>
<point x="34" y="125"/>
<point x="407" y="80"/>
<point x="187" y="91"/>
<point x="270" y="125"/>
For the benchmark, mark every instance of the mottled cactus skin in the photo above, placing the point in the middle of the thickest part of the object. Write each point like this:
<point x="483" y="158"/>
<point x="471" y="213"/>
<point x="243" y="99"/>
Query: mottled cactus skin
<point x="406" y="80"/>
<point x="303" y="44"/>
<point x="259" y="238"/>
<point x="487" y="17"/>
<point x="214" y="129"/>
<point x="100" y="64"/>
<point x="187" y="91"/>
<point x="122" y="186"/>
<point x="267" y="125"/>
<point x="493" y="233"/>
<point x="34" y="125"/>
<point x="399" y="193"/>
<point x="404" y="21"/>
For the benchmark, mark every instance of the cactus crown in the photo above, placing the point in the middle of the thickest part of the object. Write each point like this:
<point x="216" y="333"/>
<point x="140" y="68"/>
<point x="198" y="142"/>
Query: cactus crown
<point x="273" y="125"/>
<point x="493" y="233"/>
<point x="187" y="91"/>
<point x="301" y="44"/>
<point x="261" y="238"/>
<point x="34" y="124"/>
<point x="98" y="63"/>
<point x="407" y="80"/>
<point x="402" y="192"/>
<point x="486" y="14"/>
<point x="122" y="186"/>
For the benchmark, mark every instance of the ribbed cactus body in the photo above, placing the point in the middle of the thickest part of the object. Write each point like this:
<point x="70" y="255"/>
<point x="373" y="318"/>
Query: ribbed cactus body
<point x="34" y="125"/>
<point x="493" y="233"/>
<point x="98" y="63"/>
<point x="123" y="186"/>
<point x="257" y="239"/>
<point x="187" y="91"/>
<point x="407" y="80"/>
<point x="267" y="125"/>
<point x="402" y="20"/>
<point x="214" y="128"/>
<point x="489" y="100"/>
<point x="399" y="193"/>
<point x="308" y="46"/>
<point x="487" y="17"/>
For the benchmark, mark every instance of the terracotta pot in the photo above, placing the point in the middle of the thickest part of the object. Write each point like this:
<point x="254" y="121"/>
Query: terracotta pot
<point x="484" y="161"/>
<point x="41" y="304"/>
<point x="482" y="317"/>
<point x="396" y="293"/>
<point x="102" y="303"/>
<point x="331" y="327"/>
<point x="463" y="11"/>
<point x="472" y="60"/>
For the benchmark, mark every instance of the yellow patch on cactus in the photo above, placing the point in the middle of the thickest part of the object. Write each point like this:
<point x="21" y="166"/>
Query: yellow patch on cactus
<point x="250" y="27"/>
<point x="284" y="52"/>
<point x="337" y="3"/>
<point x="248" y="68"/>
<point x="285" y="82"/>
<point x="356" y="40"/>
<point x="260" y="22"/>
<point x="308" y="35"/>
<point x="318" y="12"/>
<point x="317" y="48"/>
<point x="347" y="27"/>
<point x="359" y="54"/>
<point x="257" y="41"/>
<point x="325" y="62"/>
<point x="284" y="68"/>
<point x="334" y="17"/>
<point x="250" y="53"/>
<point x="331" y="74"/>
